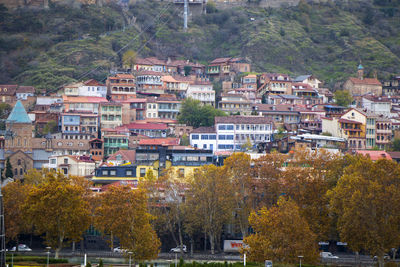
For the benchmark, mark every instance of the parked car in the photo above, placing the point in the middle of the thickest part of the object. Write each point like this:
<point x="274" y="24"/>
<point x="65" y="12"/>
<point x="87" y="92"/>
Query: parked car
<point x="119" y="250"/>
<point x="328" y="255"/>
<point x="385" y="257"/>
<point x="179" y="249"/>
<point x="21" y="247"/>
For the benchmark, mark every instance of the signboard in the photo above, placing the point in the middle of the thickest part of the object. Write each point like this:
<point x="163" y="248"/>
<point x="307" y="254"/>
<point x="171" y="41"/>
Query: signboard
<point x="233" y="245"/>
<point x="268" y="263"/>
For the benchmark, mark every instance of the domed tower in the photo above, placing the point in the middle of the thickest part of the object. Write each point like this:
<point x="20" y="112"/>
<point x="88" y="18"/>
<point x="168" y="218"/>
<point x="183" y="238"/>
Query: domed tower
<point x="360" y="72"/>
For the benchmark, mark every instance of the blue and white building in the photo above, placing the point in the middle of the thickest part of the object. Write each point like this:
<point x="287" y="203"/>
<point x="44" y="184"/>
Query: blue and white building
<point x="231" y="133"/>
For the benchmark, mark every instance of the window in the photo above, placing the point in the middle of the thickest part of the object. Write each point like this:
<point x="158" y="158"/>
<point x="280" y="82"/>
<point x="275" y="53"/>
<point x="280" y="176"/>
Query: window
<point x="142" y="172"/>
<point x="20" y="171"/>
<point x="19" y="162"/>
<point x="65" y="161"/>
<point x="221" y="127"/>
<point x="113" y="172"/>
<point x="204" y="146"/>
<point x="229" y="127"/>
<point x="212" y="137"/>
<point x="104" y="173"/>
<point x="53" y="161"/>
<point x="237" y="126"/>
<point x="221" y="137"/>
<point x="65" y="171"/>
<point x="195" y="137"/>
<point x="15" y="172"/>
<point x="229" y="137"/>
<point x="128" y="173"/>
<point x="204" y="137"/>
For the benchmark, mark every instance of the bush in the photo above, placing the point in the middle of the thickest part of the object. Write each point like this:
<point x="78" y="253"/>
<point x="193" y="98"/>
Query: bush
<point x="41" y="260"/>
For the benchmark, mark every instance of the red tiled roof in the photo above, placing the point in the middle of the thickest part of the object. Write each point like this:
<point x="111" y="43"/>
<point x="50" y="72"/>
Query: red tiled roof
<point x="150" y="72"/>
<point x="146" y="126"/>
<point x="26" y="89"/>
<point x="374" y="155"/>
<point x="204" y="130"/>
<point x="8" y="89"/>
<point x="127" y="155"/>
<point x="124" y="76"/>
<point x="93" y="82"/>
<point x="368" y="81"/>
<point x="220" y="60"/>
<point x="160" y="141"/>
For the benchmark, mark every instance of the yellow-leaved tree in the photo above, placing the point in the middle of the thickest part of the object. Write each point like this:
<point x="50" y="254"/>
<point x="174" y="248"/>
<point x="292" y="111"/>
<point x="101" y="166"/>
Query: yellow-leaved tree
<point x="237" y="168"/>
<point x="209" y="203"/>
<point x="281" y="234"/>
<point x="366" y="201"/>
<point x="15" y="195"/>
<point x="123" y="211"/>
<point x="58" y="207"/>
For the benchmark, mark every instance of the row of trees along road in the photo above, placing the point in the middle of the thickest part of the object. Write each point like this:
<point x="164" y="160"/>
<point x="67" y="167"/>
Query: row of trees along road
<point x="289" y="201"/>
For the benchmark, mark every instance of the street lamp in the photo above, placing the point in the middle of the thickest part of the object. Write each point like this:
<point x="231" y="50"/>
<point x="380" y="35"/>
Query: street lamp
<point x="48" y="255"/>
<point x="300" y="257"/>
<point x="130" y="255"/>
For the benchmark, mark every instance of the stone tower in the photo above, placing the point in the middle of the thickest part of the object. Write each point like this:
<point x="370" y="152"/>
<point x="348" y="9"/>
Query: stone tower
<point x="19" y="130"/>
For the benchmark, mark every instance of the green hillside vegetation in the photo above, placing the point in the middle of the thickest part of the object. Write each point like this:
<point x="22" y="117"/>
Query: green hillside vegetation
<point x="47" y="48"/>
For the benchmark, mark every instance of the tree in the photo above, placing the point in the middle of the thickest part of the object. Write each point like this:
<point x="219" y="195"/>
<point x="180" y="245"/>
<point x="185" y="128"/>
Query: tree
<point x="62" y="200"/>
<point x="193" y="113"/>
<point x="8" y="173"/>
<point x="247" y="146"/>
<point x="185" y="140"/>
<point x="238" y="168"/>
<point x="50" y="127"/>
<point x="122" y="211"/>
<point x="281" y="234"/>
<point x="343" y="98"/>
<point x="129" y="59"/>
<point x="187" y="70"/>
<point x="209" y="202"/>
<point x="366" y="201"/>
<point x="395" y="146"/>
<point x="15" y="194"/>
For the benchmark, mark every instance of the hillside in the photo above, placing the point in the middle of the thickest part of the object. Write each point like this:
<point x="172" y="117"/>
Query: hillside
<point x="47" y="48"/>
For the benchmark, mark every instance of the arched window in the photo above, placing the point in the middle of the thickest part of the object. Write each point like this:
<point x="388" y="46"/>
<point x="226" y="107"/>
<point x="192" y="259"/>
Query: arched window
<point x="15" y="172"/>
<point x="19" y="162"/>
<point x="20" y="171"/>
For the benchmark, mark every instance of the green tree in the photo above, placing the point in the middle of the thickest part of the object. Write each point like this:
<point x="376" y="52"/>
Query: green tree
<point x="211" y="7"/>
<point x="128" y="59"/>
<point x="59" y="209"/>
<point x="50" y="127"/>
<point x="187" y="70"/>
<point x="281" y="234"/>
<point x="193" y="113"/>
<point x="395" y="146"/>
<point x="343" y="98"/>
<point x="8" y="173"/>
<point x="185" y="140"/>
<point x="366" y="202"/>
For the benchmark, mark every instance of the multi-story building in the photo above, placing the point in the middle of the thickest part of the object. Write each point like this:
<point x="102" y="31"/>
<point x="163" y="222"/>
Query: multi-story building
<point x="151" y="108"/>
<point x="110" y="114"/>
<point x="377" y="105"/>
<point x="233" y="103"/>
<point x="79" y="125"/>
<point x="383" y="132"/>
<point x="150" y="82"/>
<point x="72" y="165"/>
<point x="133" y="109"/>
<point x="370" y="131"/>
<point x="274" y="83"/>
<point x="203" y="91"/>
<point x="308" y="79"/>
<point x="392" y="87"/>
<point x="231" y="133"/>
<point x="279" y="114"/>
<point x="168" y="107"/>
<point x="148" y="129"/>
<point x="92" y="88"/>
<point x="225" y="68"/>
<point x="121" y="87"/>
<point x="88" y="104"/>
<point x="250" y="81"/>
<point x="114" y="140"/>
<point x="23" y="92"/>
<point x="176" y="84"/>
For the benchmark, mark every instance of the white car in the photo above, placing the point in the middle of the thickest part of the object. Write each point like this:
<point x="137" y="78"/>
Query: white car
<point x="119" y="250"/>
<point x="21" y="247"/>
<point x="328" y="255"/>
<point x="178" y="249"/>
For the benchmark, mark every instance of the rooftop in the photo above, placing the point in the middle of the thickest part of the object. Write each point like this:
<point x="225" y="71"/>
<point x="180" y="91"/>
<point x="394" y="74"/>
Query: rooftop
<point x="374" y="155"/>
<point x="243" y="120"/>
<point x="18" y="114"/>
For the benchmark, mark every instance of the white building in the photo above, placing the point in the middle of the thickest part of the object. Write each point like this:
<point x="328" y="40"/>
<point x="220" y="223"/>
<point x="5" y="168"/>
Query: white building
<point x="92" y="88"/>
<point x="202" y="91"/>
<point x="72" y="165"/>
<point x="23" y="92"/>
<point x="231" y="133"/>
<point x="377" y="105"/>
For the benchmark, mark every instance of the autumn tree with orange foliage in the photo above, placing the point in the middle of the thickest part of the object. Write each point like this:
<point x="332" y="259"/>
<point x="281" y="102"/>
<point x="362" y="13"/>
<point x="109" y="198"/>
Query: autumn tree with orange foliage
<point x="123" y="211"/>
<point x="366" y="201"/>
<point x="281" y="234"/>
<point x="15" y="195"/>
<point x="58" y="208"/>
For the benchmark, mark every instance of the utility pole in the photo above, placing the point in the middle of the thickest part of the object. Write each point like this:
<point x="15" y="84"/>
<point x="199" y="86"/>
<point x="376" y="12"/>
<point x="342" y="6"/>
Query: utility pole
<point x="185" y="15"/>
<point x="2" y="233"/>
